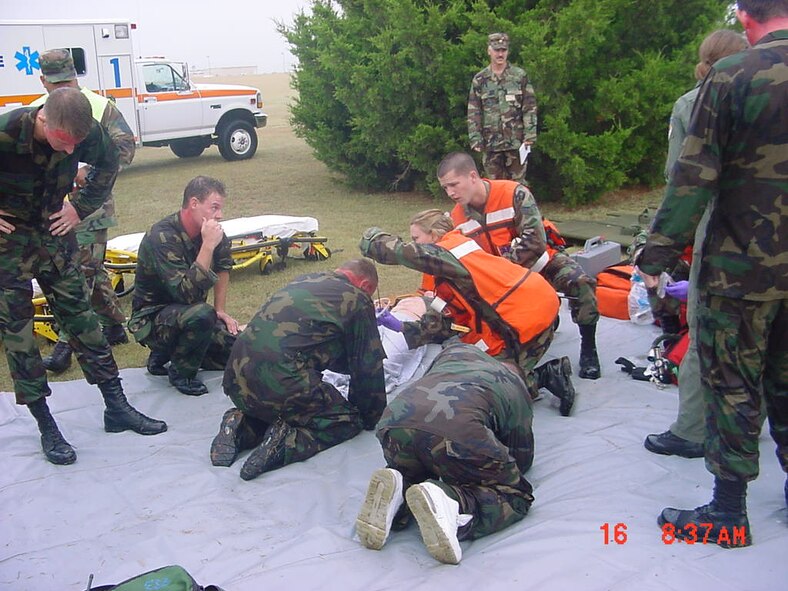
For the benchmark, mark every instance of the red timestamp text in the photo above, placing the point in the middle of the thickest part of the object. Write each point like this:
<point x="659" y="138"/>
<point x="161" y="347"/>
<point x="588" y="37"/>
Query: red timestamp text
<point x="691" y="533"/>
<point x="704" y="533"/>
<point x="617" y="533"/>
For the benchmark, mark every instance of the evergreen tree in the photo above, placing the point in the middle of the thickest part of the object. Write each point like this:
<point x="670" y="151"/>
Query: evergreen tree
<point x="383" y="84"/>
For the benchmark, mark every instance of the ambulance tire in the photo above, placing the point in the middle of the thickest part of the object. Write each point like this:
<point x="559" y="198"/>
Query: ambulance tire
<point x="187" y="147"/>
<point x="237" y="141"/>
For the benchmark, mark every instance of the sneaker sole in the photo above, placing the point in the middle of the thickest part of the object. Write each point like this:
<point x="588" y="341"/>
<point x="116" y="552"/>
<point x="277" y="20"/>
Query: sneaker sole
<point x="371" y="521"/>
<point x="435" y="539"/>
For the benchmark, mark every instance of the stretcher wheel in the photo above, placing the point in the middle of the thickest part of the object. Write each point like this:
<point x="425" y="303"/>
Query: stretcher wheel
<point x="314" y="253"/>
<point x="265" y="266"/>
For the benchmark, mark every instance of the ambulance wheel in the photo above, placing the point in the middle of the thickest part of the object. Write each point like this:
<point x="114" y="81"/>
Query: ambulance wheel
<point x="187" y="147"/>
<point x="237" y="141"/>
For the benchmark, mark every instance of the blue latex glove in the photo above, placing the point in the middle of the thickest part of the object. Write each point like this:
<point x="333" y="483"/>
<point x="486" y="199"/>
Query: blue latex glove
<point x="678" y="290"/>
<point x="387" y="319"/>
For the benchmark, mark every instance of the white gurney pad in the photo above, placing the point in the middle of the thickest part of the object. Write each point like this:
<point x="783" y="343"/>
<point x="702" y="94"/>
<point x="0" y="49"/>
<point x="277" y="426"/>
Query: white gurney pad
<point x="269" y="226"/>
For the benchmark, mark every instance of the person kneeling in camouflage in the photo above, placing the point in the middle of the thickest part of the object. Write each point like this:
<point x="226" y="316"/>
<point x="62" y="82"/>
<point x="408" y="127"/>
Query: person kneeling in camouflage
<point x="283" y="408"/>
<point x="457" y="443"/>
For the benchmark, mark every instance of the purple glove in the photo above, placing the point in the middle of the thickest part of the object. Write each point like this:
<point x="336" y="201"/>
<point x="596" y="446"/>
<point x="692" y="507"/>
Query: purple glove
<point x="387" y="319"/>
<point x="678" y="290"/>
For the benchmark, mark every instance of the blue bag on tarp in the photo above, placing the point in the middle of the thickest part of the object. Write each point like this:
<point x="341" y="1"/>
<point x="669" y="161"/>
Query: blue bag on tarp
<point x="166" y="578"/>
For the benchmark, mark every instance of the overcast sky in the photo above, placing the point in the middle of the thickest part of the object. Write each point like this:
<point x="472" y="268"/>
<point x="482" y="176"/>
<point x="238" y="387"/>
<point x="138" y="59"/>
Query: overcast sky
<point x="205" y="33"/>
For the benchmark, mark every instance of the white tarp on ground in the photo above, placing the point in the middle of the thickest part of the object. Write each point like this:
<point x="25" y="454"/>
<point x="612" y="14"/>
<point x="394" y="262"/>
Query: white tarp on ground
<point x="131" y="503"/>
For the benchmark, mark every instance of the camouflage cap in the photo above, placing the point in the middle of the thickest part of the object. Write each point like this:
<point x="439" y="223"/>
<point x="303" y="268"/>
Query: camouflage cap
<point x="57" y="66"/>
<point x="498" y="40"/>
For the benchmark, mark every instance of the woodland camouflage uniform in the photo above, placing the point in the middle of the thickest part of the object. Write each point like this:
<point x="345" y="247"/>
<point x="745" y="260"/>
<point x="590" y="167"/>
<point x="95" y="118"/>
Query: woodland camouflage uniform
<point x="470" y="437"/>
<point x="735" y="159"/>
<point x="318" y="321"/>
<point x="170" y="288"/>
<point x="501" y="116"/>
<point x="92" y="230"/>
<point x="34" y="181"/>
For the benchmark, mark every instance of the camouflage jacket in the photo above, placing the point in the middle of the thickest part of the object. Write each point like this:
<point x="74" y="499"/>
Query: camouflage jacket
<point x="501" y="110"/>
<point x="441" y="264"/>
<point x="320" y="321"/>
<point x="736" y="157"/>
<point x="679" y="123"/>
<point x="465" y="395"/>
<point x="120" y="132"/>
<point x="34" y="179"/>
<point x="167" y="272"/>
<point x="526" y="225"/>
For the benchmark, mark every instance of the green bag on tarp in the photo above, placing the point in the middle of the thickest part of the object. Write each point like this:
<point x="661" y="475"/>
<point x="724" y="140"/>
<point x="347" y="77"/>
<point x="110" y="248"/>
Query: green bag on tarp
<point x="166" y="578"/>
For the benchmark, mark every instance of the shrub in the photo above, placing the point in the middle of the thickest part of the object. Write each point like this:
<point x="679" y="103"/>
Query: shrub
<point x="383" y="84"/>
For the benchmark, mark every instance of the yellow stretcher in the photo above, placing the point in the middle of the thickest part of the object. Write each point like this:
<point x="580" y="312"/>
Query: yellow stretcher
<point x="257" y="240"/>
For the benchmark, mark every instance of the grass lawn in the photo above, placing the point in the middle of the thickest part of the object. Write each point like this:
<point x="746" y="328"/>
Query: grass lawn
<point x="283" y="178"/>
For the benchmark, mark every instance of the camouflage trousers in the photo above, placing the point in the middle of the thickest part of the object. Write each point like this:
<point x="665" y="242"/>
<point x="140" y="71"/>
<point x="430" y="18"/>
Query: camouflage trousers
<point x="491" y="490"/>
<point x="103" y="298"/>
<point x="319" y="415"/>
<point x="504" y="165"/>
<point x="29" y="253"/>
<point x="567" y="276"/>
<point x="531" y="354"/>
<point x="192" y="336"/>
<point x="744" y="361"/>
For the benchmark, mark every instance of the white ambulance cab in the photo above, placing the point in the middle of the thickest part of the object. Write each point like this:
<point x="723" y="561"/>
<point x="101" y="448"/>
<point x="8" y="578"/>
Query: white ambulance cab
<point x="158" y="100"/>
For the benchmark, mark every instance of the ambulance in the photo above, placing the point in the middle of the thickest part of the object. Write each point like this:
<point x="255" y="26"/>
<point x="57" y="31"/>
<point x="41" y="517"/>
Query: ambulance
<point x="158" y="100"/>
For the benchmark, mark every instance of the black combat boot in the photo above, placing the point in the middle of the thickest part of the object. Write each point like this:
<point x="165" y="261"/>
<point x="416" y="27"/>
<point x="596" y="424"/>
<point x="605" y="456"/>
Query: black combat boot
<point x="589" y="360"/>
<point x="184" y="385"/>
<point x="121" y="416"/>
<point x="270" y="454"/>
<point x="157" y="361"/>
<point x="56" y="448"/>
<point x="555" y="376"/>
<point x="60" y="359"/>
<point x="227" y="443"/>
<point x="723" y="521"/>
<point x="115" y="334"/>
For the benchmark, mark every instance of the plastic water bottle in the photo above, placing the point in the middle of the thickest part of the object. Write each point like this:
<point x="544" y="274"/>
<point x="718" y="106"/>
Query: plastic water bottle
<point x="637" y="301"/>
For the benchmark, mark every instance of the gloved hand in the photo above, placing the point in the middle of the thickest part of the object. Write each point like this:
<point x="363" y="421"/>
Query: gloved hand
<point x="678" y="290"/>
<point x="387" y="319"/>
<point x="367" y="237"/>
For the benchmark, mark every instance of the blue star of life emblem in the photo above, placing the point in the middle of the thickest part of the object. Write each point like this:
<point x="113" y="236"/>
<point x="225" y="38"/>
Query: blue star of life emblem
<point x="27" y="61"/>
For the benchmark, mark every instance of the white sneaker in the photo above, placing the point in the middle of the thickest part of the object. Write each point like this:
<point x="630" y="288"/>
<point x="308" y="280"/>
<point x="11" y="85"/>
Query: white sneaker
<point x="438" y="516"/>
<point x="383" y="500"/>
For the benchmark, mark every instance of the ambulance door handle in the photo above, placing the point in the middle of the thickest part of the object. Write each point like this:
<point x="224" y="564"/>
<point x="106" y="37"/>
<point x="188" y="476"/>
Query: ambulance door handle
<point x="150" y="99"/>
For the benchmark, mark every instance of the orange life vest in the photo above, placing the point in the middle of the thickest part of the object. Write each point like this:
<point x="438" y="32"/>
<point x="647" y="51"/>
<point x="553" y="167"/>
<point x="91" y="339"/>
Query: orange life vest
<point x="523" y="299"/>
<point x="496" y="233"/>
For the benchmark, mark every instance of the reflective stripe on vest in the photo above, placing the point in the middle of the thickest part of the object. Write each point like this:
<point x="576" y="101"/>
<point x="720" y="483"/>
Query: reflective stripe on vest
<point x="464" y="249"/>
<point x="501" y="215"/>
